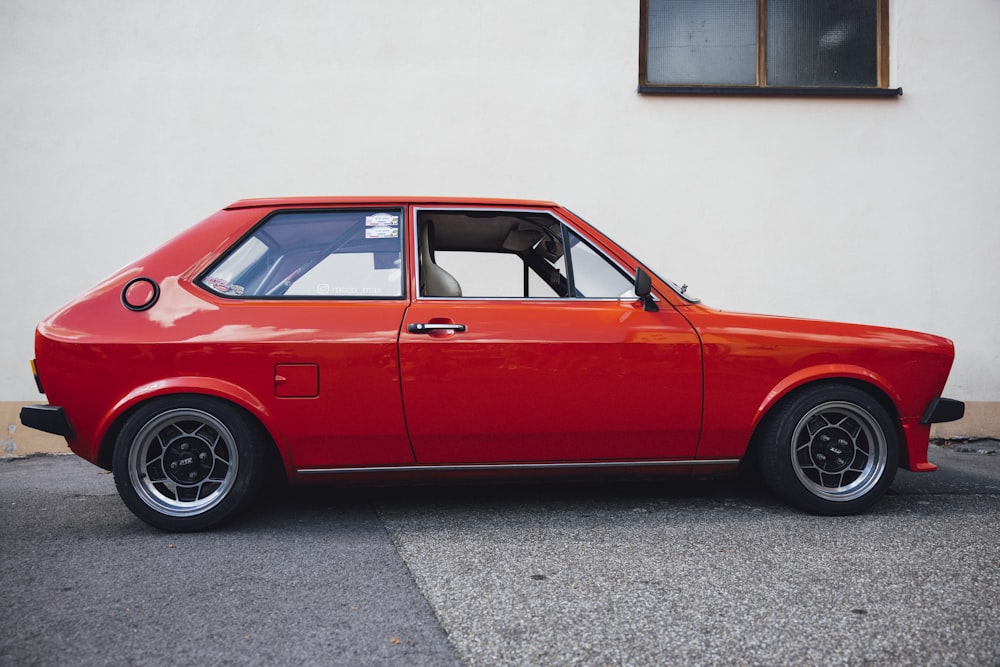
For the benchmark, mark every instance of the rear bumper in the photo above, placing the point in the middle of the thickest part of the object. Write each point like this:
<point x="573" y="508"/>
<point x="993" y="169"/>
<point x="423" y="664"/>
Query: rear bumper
<point x="943" y="410"/>
<point x="48" y="418"/>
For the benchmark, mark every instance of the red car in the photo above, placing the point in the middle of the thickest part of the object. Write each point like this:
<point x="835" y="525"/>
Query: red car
<point x="388" y="339"/>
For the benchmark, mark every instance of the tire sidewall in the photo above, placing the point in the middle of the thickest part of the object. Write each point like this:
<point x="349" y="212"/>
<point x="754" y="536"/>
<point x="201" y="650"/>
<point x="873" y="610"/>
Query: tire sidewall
<point x="776" y="449"/>
<point x="243" y="488"/>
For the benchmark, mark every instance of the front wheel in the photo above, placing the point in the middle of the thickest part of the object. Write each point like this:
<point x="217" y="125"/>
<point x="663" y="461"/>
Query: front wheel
<point x="186" y="463"/>
<point x="831" y="449"/>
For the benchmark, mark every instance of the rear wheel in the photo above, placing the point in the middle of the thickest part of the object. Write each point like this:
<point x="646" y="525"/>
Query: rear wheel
<point x="188" y="462"/>
<point x="831" y="449"/>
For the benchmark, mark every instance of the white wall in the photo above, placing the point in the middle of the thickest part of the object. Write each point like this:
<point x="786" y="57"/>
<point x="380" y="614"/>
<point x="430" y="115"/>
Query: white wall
<point x="123" y="122"/>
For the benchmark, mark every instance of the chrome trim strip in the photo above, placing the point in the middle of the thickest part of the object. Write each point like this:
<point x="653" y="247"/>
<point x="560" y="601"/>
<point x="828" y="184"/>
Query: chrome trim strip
<point x="472" y="467"/>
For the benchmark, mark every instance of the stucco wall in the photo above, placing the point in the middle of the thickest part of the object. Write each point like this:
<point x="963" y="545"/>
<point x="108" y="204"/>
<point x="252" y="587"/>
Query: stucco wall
<point x="121" y="123"/>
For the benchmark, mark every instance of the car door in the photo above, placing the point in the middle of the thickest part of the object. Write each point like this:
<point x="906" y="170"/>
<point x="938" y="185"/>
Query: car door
<point x="502" y="374"/>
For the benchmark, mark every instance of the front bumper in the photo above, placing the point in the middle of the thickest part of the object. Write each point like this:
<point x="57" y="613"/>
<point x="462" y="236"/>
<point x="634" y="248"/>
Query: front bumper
<point x="48" y="418"/>
<point x="943" y="410"/>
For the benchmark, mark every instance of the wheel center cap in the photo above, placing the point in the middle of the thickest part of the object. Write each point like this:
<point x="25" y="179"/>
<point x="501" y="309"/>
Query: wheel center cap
<point x="832" y="450"/>
<point x="185" y="461"/>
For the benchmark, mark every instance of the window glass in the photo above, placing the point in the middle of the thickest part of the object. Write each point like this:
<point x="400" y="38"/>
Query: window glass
<point x="490" y="254"/>
<point x="513" y="255"/>
<point x="594" y="277"/>
<point x="245" y="256"/>
<point x="822" y="43"/>
<point x="702" y="42"/>
<point x="333" y="254"/>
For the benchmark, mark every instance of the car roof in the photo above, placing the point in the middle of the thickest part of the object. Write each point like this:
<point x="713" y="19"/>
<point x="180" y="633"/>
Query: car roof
<point x="381" y="201"/>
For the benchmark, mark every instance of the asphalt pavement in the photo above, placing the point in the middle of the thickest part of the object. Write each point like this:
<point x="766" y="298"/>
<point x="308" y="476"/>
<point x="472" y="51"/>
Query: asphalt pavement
<point x="644" y="573"/>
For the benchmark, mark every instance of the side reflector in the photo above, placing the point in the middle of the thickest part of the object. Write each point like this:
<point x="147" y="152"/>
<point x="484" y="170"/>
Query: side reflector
<point x="38" y="381"/>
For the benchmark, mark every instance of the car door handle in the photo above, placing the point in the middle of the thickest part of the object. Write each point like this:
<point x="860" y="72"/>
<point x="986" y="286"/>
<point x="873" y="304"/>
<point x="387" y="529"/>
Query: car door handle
<point x="430" y="327"/>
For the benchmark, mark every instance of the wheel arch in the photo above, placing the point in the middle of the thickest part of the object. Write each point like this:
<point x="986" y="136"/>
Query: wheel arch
<point x="865" y="381"/>
<point x="232" y="394"/>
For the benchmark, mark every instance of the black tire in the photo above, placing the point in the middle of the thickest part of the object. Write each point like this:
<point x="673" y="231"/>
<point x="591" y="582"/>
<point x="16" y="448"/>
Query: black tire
<point x="830" y="449"/>
<point x="188" y="462"/>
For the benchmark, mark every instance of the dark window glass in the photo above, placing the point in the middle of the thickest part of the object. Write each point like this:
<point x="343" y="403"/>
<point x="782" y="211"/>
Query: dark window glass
<point x="702" y="42"/>
<point x="822" y="43"/>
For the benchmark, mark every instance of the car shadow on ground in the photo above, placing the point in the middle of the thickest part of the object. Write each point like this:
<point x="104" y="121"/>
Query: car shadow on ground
<point x="277" y="502"/>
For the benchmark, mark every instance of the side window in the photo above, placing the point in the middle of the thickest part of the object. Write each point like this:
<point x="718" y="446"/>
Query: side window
<point x="331" y="254"/>
<point x="490" y="254"/>
<point x="594" y="277"/>
<point x="511" y="255"/>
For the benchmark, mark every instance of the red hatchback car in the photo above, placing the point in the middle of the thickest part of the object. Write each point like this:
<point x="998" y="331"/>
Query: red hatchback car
<point x="385" y="339"/>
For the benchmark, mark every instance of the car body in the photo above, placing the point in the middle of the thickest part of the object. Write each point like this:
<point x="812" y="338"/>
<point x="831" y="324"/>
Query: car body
<point x="385" y="339"/>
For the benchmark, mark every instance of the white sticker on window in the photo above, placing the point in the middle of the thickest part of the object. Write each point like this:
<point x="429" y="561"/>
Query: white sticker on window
<point x="382" y="232"/>
<point x="381" y="226"/>
<point x="381" y="220"/>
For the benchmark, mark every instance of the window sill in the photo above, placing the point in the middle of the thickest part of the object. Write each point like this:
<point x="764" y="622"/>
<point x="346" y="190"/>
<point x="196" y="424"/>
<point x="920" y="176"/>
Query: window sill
<point x="771" y="91"/>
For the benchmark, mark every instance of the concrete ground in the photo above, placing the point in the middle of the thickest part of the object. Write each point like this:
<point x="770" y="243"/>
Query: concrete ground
<point x="690" y="572"/>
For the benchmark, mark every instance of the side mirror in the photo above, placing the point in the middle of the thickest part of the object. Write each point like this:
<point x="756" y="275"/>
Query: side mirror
<point x="644" y="290"/>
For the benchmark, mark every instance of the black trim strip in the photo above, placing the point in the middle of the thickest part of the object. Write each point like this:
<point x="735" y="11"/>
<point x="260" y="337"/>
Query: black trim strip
<point x="772" y="91"/>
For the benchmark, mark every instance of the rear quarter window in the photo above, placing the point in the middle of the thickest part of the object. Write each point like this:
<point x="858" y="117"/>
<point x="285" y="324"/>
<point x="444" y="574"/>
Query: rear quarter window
<point x="315" y="254"/>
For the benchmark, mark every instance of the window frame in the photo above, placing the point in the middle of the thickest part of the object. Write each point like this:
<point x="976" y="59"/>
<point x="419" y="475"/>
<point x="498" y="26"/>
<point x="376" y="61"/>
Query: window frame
<point x="881" y="89"/>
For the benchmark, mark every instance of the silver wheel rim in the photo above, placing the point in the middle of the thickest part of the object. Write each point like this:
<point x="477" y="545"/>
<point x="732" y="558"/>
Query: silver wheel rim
<point x="838" y="451"/>
<point x="183" y="462"/>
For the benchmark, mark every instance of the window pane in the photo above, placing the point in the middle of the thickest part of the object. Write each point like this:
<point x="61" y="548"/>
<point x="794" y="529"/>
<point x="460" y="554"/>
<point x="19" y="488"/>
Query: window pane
<point x="241" y="260"/>
<point x="594" y="276"/>
<point x="317" y="254"/>
<point x="822" y="43"/>
<point x="711" y="42"/>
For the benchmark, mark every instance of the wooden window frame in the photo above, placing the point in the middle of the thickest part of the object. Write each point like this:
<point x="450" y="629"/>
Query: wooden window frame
<point x="882" y="88"/>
